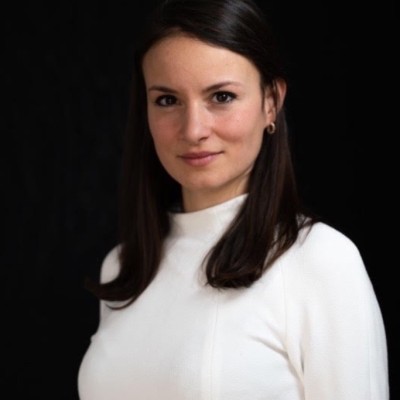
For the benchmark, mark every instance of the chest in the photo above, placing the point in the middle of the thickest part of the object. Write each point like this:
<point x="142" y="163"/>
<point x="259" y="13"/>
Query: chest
<point x="186" y="340"/>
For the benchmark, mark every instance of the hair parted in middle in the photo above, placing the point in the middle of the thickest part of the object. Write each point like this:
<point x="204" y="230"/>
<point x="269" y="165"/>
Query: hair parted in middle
<point x="270" y="218"/>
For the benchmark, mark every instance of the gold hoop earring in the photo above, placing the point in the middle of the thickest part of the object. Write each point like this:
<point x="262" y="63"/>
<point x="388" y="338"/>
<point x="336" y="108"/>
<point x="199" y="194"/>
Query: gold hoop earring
<point x="271" y="128"/>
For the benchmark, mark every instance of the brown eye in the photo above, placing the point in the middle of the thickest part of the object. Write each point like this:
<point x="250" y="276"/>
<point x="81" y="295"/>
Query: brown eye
<point x="166" y="100"/>
<point x="224" y="97"/>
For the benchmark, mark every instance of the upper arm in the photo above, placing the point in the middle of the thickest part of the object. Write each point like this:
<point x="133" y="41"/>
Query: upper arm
<point x="335" y="332"/>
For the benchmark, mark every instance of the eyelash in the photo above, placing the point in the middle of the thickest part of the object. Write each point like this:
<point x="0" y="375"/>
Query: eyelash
<point x="166" y="97"/>
<point x="231" y="96"/>
<point x="171" y="100"/>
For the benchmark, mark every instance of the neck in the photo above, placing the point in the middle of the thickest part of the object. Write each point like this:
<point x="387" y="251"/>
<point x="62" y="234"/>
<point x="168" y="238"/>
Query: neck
<point x="200" y="201"/>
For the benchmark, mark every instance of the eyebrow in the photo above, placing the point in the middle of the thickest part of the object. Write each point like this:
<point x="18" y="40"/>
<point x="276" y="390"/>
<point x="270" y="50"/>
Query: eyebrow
<point x="216" y="86"/>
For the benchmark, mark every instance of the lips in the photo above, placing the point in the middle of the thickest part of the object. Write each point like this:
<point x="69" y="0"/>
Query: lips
<point x="201" y="154"/>
<point x="201" y="158"/>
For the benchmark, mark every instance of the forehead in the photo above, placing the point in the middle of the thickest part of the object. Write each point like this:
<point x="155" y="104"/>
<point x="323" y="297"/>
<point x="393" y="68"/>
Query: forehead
<point x="180" y="57"/>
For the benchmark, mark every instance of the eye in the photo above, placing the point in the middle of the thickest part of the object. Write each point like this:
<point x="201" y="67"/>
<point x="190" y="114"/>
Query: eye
<point x="166" y="100"/>
<point x="224" y="97"/>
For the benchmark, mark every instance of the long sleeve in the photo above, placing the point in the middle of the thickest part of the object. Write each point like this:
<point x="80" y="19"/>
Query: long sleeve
<point x="335" y="332"/>
<point x="309" y="329"/>
<point x="109" y="271"/>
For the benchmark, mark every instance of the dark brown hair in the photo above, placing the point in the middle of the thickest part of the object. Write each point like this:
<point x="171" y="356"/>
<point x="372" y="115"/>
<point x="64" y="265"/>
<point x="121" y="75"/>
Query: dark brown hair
<point x="270" y="218"/>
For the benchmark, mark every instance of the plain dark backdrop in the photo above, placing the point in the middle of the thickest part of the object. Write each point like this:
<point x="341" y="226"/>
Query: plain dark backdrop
<point x="65" y="78"/>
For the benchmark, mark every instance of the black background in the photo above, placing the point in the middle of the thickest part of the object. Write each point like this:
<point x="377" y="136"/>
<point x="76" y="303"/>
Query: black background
<point x="65" y="78"/>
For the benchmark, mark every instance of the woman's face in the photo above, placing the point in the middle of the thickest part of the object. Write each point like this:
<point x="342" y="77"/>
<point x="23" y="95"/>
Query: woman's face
<point x="207" y="115"/>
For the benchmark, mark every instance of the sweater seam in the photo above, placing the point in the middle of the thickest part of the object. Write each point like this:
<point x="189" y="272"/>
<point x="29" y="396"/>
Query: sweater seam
<point x="212" y="350"/>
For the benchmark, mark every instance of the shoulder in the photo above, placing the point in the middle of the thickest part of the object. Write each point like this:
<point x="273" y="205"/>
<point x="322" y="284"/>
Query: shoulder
<point x="110" y="266"/>
<point x="324" y="270"/>
<point x="323" y="241"/>
<point x="322" y="253"/>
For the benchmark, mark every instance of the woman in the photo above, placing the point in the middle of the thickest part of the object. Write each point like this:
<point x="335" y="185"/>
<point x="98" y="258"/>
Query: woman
<point x="223" y="287"/>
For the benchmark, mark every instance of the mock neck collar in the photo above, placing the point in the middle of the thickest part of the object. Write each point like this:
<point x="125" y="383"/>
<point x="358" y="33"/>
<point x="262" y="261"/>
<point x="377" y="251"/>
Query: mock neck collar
<point x="208" y="222"/>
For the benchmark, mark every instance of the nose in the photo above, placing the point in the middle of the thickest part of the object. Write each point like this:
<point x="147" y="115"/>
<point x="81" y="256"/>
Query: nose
<point x="195" y="123"/>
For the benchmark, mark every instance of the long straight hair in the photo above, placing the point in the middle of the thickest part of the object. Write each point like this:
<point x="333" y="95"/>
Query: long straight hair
<point x="271" y="216"/>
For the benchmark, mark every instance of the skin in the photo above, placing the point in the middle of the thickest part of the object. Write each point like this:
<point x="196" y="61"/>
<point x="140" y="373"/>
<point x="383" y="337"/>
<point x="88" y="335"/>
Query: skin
<point x="207" y="115"/>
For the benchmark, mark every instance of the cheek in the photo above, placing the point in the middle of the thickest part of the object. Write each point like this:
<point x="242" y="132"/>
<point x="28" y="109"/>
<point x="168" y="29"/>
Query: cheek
<point x="246" y="127"/>
<point x="154" y="124"/>
<point x="163" y="126"/>
<point x="162" y="145"/>
<point x="159" y="130"/>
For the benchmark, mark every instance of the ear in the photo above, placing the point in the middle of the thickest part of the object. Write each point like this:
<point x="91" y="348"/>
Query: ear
<point x="274" y="99"/>
<point x="280" y="87"/>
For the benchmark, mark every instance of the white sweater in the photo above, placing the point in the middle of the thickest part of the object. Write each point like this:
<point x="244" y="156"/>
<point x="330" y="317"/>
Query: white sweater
<point x="309" y="329"/>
